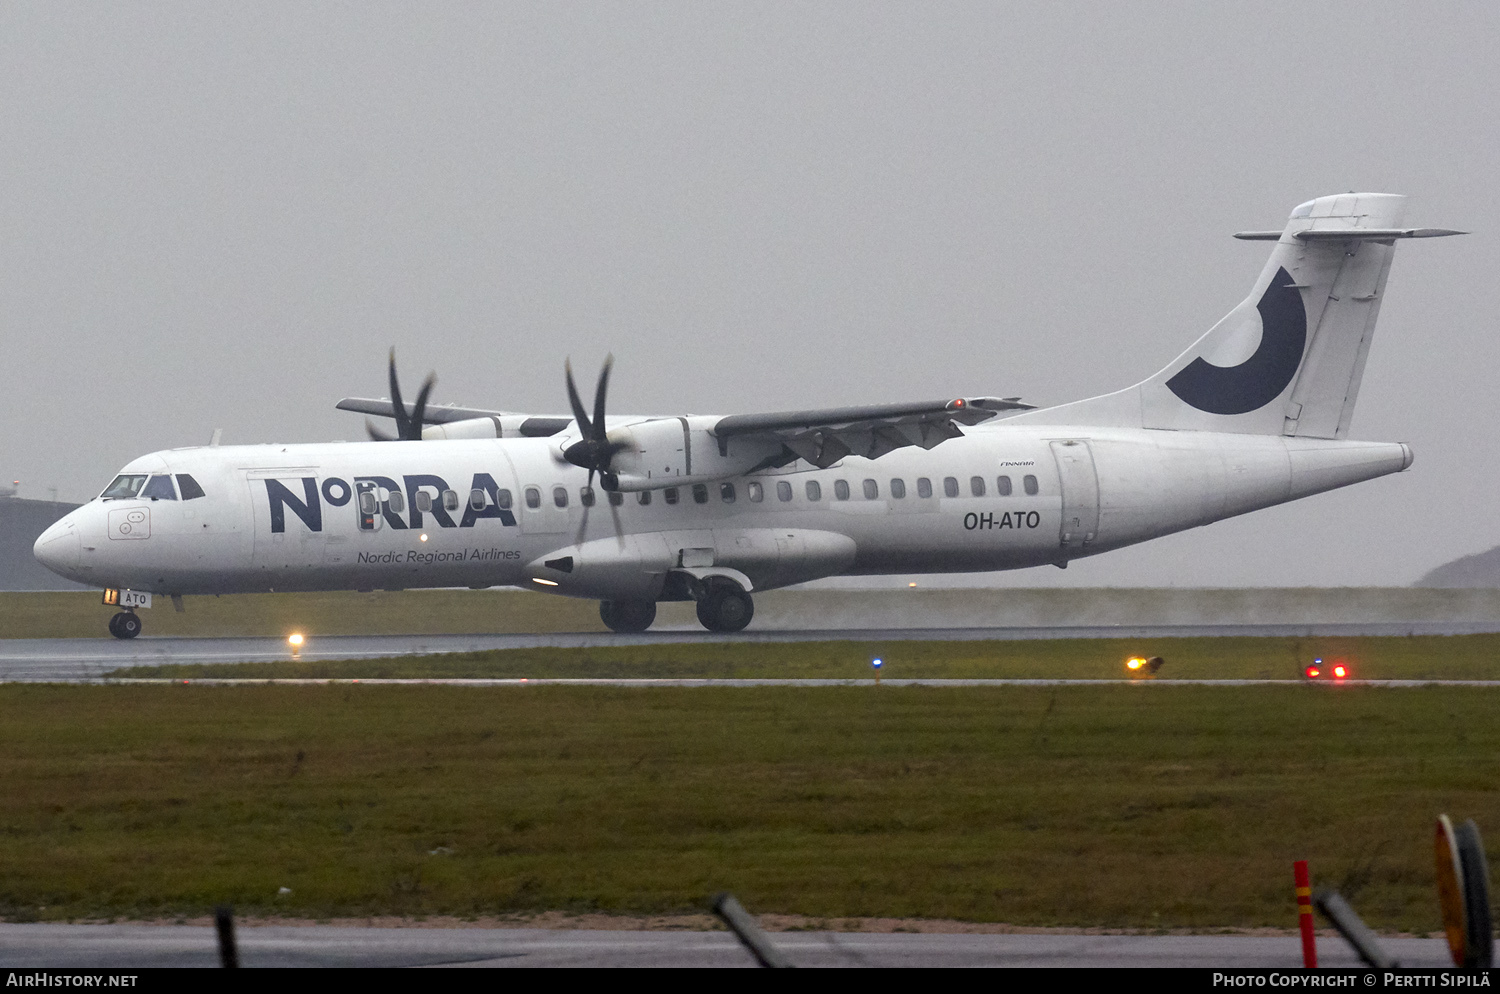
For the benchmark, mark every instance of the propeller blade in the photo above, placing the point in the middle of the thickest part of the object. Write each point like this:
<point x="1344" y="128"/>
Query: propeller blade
<point x="579" y="414"/>
<point x="599" y="392"/>
<point x="414" y="425"/>
<point x="376" y="435"/>
<point x="398" y="409"/>
<point x="614" y="512"/>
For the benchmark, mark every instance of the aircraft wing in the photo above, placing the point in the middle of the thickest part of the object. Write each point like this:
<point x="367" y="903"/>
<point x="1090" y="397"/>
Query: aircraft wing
<point x="823" y="437"/>
<point x="435" y="414"/>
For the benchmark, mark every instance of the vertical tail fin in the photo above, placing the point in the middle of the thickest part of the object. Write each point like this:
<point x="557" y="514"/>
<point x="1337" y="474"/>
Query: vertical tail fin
<point x="1288" y="360"/>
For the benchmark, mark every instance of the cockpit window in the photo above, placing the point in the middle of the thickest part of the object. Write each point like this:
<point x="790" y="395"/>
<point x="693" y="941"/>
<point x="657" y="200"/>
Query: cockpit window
<point x="189" y="487"/>
<point x="159" y="488"/>
<point x="125" y="485"/>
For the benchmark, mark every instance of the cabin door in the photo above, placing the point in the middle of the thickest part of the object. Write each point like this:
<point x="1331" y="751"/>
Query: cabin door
<point x="1080" y="492"/>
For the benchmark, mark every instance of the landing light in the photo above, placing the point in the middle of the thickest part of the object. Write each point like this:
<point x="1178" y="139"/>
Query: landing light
<point x="545" y="583"/>
<point x="294" y="639"/>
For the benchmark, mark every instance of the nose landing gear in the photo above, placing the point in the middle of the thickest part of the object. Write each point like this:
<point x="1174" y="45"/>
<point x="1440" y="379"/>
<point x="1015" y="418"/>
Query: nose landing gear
<point x="125" y="625"/>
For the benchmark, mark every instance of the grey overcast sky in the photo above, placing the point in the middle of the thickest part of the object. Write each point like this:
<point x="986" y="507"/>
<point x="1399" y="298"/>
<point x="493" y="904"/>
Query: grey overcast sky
<point x="223" y="215"/>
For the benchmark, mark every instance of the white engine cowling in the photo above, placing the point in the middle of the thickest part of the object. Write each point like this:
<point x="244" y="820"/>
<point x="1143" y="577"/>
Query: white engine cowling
<point x="674" y="452"/>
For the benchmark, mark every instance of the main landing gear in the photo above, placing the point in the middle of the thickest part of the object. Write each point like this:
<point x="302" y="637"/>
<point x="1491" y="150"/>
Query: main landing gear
<point x="125" y="625"/>
<point x="628" y="616"/>
<point x="722" y="607"/>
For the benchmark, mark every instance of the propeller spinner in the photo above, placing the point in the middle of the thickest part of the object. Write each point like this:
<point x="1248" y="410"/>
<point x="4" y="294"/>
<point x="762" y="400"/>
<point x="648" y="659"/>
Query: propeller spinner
<point x="594" y="451"/>
<point x="408" y="425"/>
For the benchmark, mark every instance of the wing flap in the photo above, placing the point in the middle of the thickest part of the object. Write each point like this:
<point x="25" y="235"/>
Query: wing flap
<point x="823" y="437"/>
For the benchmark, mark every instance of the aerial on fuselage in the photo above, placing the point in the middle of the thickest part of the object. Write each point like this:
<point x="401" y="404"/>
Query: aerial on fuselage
<point x="633" y="511"/>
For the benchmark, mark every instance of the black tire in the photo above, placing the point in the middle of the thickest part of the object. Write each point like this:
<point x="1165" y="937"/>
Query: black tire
<point x="125" y="625"/>
<point x="1479" y="949"/>
<point x="726" y="609"/>
<point x="627" y="616"/>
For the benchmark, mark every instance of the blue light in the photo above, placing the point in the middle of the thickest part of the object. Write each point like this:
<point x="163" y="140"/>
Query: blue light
<point x="876" y="662"/>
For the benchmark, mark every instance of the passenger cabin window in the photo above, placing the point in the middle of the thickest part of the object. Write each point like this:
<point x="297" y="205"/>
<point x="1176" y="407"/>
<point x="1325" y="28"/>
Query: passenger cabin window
<point x="586" y="496"/>
<point x="159" y="488"/>
<point x="189" y="487"/>
<point x="644" y="497"/>
<point x="700" y="493"/>
<point x="616" y="498"/>
<point x="124" y="486"/>
<point x="396" y="501"/>
<point x="560" y="496"/>
<point x="669" y="495"/>
<point x="783" y="491"/>
<point x="814" y="492"/>
<point x="840" y="489"/>
<point x="872" y="489"/>
<point x="924" y="487"/>
<point x="1029" y="482"/>
<point x="755" y="492"/>
<point x="504" y="499"/>
<point x="726" y="492"/>
<point x="476" y="499"/>
<point x="533" y="497"/>
<point x="423" y="501"/>
<point x="898" y="488"/>
<point x="1002" y="486"/>
<point x="976" y="486"/>
<point x="368" y="505"/>
<point x="950" y="486"/>
<point x="450" y="500"/>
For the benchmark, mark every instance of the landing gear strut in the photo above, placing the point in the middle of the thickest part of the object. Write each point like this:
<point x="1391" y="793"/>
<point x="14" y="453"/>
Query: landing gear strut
<point x="125" y="625"/>
<point x="725" y="608"/>
<point x="627" y="616"/>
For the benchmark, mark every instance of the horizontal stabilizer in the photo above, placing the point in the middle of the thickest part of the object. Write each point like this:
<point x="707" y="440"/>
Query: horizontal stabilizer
<point x="1349" y="234"/>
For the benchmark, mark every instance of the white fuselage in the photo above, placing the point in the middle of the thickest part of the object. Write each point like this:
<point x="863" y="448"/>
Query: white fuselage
<point x="1096" y="489"/>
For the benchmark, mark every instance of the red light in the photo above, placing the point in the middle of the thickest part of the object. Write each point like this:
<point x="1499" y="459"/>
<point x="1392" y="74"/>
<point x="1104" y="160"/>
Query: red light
<point x="1340" y="672"/>
<point x="959" y="402"/>
<point x="1313" y="672"/>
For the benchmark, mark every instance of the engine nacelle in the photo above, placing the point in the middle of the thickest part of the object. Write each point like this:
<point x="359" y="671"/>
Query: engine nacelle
<point x="498" y="426"/>
<point x="470" y="428"/>
<point x="674" y="452"/>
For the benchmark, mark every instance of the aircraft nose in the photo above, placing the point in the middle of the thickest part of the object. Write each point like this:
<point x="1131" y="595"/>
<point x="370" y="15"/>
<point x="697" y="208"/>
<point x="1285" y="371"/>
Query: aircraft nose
<point x="57" y="548"/>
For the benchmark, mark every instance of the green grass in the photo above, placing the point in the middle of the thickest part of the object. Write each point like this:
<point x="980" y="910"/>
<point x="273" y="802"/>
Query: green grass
<point x="1420" y="657"/>
<point x="1109" y="806"/>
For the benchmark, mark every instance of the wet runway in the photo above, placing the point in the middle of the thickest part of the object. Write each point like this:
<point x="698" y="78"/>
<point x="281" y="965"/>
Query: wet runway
<point x="88" y="659"/>
<point x="140" y="946"/>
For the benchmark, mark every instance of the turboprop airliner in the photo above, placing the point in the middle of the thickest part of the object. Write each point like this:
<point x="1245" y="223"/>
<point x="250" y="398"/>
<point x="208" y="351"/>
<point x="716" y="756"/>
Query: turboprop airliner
<point x="713" y="509"/>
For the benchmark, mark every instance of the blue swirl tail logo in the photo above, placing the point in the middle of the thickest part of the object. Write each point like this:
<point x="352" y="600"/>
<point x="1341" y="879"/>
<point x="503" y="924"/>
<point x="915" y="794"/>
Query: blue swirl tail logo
<point x="1260" y="379"/>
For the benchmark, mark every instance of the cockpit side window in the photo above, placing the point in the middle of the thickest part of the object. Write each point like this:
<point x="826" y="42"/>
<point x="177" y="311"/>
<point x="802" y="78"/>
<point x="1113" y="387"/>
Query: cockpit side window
<point x="125" y="485"/>
<point x="189" y="487"/>
<point x="159" y="488"/>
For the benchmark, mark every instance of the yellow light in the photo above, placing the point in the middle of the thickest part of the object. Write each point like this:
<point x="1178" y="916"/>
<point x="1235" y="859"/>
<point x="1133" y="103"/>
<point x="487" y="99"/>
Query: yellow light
<point x="545" y="583"/>
<point x="424" y="538"/>
<point x="911" y="584"/>
<point x="1135" y="663"/>
<point x="294" y="639"/>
